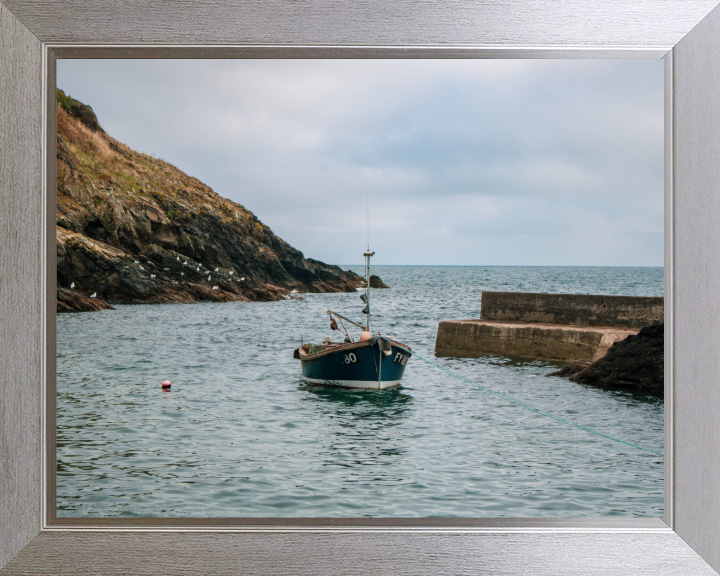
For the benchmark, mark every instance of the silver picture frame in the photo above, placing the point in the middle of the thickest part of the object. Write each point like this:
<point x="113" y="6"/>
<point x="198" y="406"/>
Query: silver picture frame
<point x="686" y="33"/>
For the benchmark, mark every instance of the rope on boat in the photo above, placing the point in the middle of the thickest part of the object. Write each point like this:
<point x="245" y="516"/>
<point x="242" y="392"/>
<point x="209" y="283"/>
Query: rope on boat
<point x="529" y="407"/>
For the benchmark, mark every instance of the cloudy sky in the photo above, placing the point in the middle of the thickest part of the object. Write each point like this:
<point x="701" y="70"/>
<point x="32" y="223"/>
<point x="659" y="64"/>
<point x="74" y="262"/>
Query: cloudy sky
<point x="486" y="162"/>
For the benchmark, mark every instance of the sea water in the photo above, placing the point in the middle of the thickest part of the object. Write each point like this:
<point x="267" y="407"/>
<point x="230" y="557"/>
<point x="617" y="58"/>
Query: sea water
<point x="241" y="435"/>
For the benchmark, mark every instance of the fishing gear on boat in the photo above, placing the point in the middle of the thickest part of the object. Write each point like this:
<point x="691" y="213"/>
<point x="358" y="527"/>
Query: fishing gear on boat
<point x="333" y="326"/>
<point x="333" y="313"/>
<point x="533" y="408"/>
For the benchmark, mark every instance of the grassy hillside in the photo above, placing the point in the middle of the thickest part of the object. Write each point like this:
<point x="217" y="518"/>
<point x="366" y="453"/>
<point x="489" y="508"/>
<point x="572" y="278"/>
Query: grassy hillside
<point x="134" y="228"/>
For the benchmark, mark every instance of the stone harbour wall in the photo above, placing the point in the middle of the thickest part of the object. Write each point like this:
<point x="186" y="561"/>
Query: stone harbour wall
<point x="580" y="309"/>
<point x="472" y="338"/>
<point x="558" y="327"/>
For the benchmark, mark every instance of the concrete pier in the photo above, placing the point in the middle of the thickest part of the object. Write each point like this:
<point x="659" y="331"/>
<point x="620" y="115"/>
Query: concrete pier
<point x="562" y="327"/>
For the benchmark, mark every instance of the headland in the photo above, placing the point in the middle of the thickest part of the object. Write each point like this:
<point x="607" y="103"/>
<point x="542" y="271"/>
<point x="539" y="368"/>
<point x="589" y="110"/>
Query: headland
<point x="132" y="228"/>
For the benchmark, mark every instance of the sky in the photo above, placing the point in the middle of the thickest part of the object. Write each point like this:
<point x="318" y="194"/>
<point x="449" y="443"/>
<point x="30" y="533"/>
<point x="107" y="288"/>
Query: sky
<point x="464" y="162"/>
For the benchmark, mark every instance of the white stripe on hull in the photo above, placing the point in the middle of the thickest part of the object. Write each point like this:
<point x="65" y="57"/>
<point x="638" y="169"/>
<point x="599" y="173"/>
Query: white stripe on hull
<point x="352" y="383"/>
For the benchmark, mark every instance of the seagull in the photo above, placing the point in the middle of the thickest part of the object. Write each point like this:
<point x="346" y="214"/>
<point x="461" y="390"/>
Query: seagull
<point x="152" y="275"/>
<point x="182" y="273"/>
<point x="214" y="287"/>
<point x="242" y="279"/>
<point x="293" y="292"/>
<point x="208" y="278"/>
<point x="197" y="269"/>
<point x="231" y="272"/>
<point x="216" y="269"/>
<point x="72" y="285"/>
<point x="177" y="258"/>
<point x="141" y="268"/>
<point x="93" y="295"/>
<point x="185" y="263"/>
<point x="136" y="262"/>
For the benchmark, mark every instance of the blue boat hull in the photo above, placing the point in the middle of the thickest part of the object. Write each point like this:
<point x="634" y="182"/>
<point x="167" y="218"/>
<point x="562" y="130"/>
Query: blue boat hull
<point x="358" y="365"/>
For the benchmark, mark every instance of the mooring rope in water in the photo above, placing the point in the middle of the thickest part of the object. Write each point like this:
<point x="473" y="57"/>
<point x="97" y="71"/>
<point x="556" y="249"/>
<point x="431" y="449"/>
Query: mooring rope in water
<point x="529" y="407"/>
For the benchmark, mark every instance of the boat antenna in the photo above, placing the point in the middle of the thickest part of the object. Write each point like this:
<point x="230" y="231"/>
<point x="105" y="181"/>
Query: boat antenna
<point x="367" y="255"/>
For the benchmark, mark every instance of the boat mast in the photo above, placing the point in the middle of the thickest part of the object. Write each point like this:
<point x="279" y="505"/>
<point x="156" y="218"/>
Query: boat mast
<point x="366" y="310"/>
<point x="367" y="255"/>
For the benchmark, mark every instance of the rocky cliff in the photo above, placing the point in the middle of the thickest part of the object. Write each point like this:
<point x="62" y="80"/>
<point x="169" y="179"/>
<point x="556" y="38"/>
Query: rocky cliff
<point x="132" y="228"/>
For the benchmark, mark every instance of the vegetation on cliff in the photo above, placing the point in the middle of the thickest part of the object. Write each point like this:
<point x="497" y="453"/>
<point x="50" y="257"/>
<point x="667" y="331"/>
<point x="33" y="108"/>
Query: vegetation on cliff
<point x="132" y="228"/>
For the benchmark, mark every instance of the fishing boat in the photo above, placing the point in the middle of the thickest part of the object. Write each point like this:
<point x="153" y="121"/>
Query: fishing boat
<point x="373" y="361"/>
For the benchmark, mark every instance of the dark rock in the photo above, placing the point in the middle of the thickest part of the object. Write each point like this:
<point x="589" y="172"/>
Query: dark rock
<point x="74" y="301"/>
<point x="134" y="229"/>
<point x="571" y="368"/>
<point x="637" y="362"/>
<point x="375" y="282"/>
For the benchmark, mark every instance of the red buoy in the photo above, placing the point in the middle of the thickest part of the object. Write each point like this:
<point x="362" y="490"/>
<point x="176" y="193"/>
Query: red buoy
<point x="166" y="385"/>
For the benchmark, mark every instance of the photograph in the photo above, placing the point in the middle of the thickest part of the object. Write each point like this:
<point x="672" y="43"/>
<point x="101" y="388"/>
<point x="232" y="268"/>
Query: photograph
<point x="360" y="288"/>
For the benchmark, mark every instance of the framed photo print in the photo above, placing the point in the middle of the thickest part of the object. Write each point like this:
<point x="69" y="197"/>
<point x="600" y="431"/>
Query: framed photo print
<point x="293" y="212"/>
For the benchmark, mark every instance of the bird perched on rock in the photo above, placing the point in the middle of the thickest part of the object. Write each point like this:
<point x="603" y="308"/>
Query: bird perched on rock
<point x="93" y="295"/>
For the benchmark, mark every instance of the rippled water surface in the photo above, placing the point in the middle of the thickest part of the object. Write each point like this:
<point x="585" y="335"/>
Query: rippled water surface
<point x="241" y="435"/>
